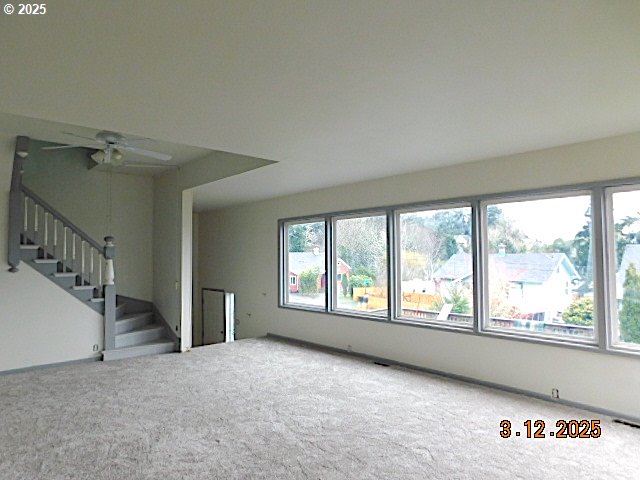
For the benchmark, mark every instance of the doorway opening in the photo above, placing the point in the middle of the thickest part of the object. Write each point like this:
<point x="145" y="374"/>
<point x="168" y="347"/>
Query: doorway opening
<point x="217" y="317"/>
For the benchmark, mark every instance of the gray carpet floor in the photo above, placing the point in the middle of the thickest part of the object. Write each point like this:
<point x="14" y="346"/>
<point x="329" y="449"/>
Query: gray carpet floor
<point x="270" y="409"/>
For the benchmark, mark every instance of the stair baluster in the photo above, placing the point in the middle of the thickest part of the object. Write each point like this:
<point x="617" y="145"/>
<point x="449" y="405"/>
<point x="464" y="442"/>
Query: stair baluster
<point x="55" y="238"/>
<point x="82" y="269"/>
<point x="25" y="227"/>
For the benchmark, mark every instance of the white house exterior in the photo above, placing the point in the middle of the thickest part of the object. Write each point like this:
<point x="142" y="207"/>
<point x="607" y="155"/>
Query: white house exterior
<point x="539" y="285"/>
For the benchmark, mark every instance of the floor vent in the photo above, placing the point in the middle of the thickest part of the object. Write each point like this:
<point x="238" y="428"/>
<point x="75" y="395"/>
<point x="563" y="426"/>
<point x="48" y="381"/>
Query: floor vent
<point x="381" y="364"/>
<point x="628" y="424"/>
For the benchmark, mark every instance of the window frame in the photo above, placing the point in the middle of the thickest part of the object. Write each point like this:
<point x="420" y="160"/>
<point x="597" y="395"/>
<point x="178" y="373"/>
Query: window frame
<point x="333" y="306"/>
<point x="613" y="314"/>
<point x="397" y="264"/>
<point x="602" y="251"/>
<point x="283" y="261"/>
<point x="486" y="314"/>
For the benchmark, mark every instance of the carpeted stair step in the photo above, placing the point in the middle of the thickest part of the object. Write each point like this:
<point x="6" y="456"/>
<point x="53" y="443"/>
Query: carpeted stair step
<point x="149" y="348"/>
<point x="29" y="252"/>
<point x="133" y="321"/>
<point x="83" y="292"/>
<point x="65" y="279"/>
<point x="46" y="266"/>
<point x="121" y="310"/>
<point x="143" y="335"/>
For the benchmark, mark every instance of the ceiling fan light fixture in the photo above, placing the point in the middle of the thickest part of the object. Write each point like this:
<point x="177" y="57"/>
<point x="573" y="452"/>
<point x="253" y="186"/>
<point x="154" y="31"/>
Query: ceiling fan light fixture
<point x="98" y="156"/>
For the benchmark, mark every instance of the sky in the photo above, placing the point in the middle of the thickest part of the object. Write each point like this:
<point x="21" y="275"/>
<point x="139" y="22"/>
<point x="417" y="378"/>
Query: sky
<point x="546" y="220"/>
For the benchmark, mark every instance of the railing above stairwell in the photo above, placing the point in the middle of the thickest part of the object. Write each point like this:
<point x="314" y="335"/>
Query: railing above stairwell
<point x="33" y="221"/>
<point x="59" y="238"/>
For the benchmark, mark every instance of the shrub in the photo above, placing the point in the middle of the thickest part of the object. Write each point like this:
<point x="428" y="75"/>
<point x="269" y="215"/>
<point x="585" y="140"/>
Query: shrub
<point x="309" y="281"/>
<point x="356" y="281"/>
<point x="630" y="312"/>
<point x="580" y="312"/>
<point x="456" y="297"/>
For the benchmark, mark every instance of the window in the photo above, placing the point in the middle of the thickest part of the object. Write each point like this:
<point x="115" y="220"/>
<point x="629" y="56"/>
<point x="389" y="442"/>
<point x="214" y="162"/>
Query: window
<point x="560" y="266"/>
<point x="436" y="268"/>
<point x="305" y="264"/>
<point x="625" y="239"/>
<point x="361" y="259"/>
<point x="539" y="267"/>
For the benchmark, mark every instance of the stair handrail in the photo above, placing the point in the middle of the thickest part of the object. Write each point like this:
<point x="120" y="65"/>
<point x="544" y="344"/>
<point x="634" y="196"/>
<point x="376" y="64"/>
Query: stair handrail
<point x="64" y="220"/>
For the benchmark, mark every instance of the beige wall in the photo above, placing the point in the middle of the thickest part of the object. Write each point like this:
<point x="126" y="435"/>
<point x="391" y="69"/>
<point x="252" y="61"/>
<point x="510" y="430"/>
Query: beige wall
<point x="39" y="322"/>
<point x="166" y="248"/>
<point x="196" y="295"/>
<point x="238" y="252"/>
<point x="89" y="197"/>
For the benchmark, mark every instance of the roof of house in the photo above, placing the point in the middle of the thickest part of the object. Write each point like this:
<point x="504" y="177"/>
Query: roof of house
<point x="517" y="267"/>
<point x="631" y="255"/>
<point x="301" y="261"/>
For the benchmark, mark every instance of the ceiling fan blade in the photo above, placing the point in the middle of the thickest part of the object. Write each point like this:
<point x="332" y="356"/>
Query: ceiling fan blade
<point x="79" y="136"/>
<point x="147" y="153"/>
<point x="145" y="165"/>
<point x="61" y="147"/>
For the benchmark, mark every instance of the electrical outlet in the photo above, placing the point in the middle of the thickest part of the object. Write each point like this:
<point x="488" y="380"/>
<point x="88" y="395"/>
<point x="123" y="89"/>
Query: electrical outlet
<point x="555" y="393"/>
<point x="96" y="347"/>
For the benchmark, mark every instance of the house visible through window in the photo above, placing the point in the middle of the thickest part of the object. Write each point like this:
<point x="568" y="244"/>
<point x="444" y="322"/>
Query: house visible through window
<point x="522" y="265"/>
<point x="305" y="262"/>
<point x="539" y="265"/>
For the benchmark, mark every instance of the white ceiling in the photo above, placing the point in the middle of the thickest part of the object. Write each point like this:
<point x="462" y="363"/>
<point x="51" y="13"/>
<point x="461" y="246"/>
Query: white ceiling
<point x="335" y="91"/>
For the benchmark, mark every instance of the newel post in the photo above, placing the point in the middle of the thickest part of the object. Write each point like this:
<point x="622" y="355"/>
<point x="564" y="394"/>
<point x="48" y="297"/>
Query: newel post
<point x="109" y="295"/>
<point x="16" y="205"/>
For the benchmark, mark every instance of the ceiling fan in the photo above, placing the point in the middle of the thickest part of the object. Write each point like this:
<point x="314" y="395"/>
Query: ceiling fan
<point x="110" y="146"/>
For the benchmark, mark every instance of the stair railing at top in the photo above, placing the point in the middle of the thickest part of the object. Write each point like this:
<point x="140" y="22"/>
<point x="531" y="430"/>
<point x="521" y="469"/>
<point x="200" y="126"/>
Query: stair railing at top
<point x="34" y="221"/>
<point x="59" y="238"/>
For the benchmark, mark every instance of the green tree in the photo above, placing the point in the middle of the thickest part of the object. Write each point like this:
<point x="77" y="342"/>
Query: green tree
<point x="309" y="281"/>
<point x="362" y="243"/>
<point x="304" y="237"/>
<point x="457" y="297"/>
<point x="502" y="232"/>
<point x="344" y="282"/>
<point x="625" y="234"/>
<point x="580" y="312"/>
<point x="453" y="222"/>
<point x="360" y="281"/>
<point x="559" y="246"/>
<point x="630" y="312"/>
<point x="297" y="238"/>
<point x="422" y="245"/>
<point x="581" y="250"/>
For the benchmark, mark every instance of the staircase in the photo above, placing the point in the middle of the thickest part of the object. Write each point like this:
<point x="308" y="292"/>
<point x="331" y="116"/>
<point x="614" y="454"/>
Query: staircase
<point x="52" y="245"/>
<point x="137" y="332"/>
